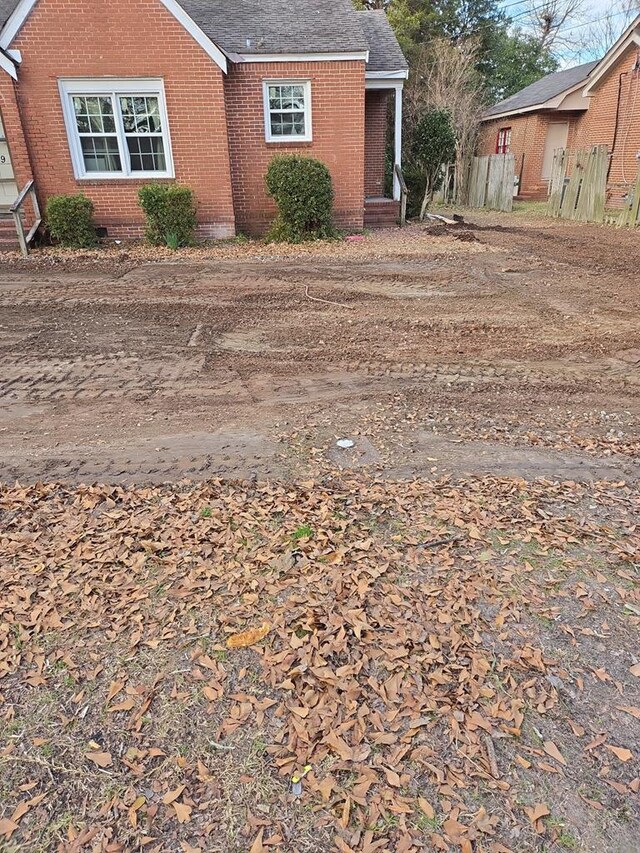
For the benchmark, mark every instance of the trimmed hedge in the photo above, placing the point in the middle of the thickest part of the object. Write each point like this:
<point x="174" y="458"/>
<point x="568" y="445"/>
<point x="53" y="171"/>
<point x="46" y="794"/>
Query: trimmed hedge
<point x="302" y="189"/>
<point x="68" y="218"/>
<point x="170" y="212"/>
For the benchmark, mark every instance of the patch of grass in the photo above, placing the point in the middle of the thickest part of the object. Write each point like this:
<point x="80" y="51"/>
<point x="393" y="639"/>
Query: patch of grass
<point x="428" y="824"/>
<point x="304" y="531"/>
<point x="530" y="208"/>
<point x="206" y="512"/>
<point x="567" y="841"/>
<point x="259" y="747"/>
<point x="389" y="821"/>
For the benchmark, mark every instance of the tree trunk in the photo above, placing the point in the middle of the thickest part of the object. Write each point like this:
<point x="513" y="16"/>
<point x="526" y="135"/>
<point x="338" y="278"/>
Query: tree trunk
<point x="426" y="201"/>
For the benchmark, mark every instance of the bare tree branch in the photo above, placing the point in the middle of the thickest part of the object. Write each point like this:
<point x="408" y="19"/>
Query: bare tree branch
<point x="445" y="76"/>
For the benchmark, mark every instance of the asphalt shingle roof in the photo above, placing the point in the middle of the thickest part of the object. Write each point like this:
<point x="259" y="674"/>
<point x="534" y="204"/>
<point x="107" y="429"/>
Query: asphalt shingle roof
<point x="542" y="90"/>
<point x="6" y="8"/>
<point x="384" y="50"/>
<point x="279" y="26"/>
<point x="284" y="26"/>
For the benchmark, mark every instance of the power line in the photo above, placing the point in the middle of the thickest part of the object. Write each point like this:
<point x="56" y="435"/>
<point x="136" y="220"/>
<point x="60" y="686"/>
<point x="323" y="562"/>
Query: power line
<point x="595" y="21"/>
<point x="527" y="12"/>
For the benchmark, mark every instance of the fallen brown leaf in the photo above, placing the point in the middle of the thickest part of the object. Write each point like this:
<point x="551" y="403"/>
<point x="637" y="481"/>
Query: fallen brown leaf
<point x="248" y="638"/>
<point x="534" y="813"/>
<point x="7" y="827"/>
<point x="551" y="749"/>
<point x="630" y="709"/>
<point x="620" y="752"/>
<point x="170" y="796"/>
<point x="183" y="811"/>
<point x="102" y="759"/>
<point x="258" y="846"/>
<point x="426" y="808"/>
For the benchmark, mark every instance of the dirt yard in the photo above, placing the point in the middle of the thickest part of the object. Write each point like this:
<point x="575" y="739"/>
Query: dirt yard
<point x="509" y="346"/>
<point x="435" y="631"/>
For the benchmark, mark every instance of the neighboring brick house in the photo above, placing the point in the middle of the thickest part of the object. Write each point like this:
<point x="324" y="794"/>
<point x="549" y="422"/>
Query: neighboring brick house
<point x="102" y="97"/>
<point x="595" y="103"/>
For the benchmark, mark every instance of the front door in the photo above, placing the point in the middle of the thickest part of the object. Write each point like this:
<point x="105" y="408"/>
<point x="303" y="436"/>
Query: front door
<point x="8" y="187"/>
<point x="557" y="134"/>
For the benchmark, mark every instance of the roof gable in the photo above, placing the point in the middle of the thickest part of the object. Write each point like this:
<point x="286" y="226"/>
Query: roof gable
<point x="538" y="94"/>
<point x="629" y="38"/>
<point x="14" y="13"/>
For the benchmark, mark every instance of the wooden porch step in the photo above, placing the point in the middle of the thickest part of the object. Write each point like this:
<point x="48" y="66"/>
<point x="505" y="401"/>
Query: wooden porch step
<point x="381" y="212"/>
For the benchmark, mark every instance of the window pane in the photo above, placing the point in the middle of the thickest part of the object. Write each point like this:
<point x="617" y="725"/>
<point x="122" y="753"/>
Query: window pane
<point x="140" y="114"/>
<point x="128" y="115"/>
<point x="94" y="115"/>
<point x="276" y="124"/>
<point x="100" y="153"/>
<point x="146" y="153"/>
<point x="287" y="124"/>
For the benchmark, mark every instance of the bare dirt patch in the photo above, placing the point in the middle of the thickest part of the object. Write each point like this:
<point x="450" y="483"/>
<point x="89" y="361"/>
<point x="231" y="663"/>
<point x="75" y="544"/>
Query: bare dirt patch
<point x="519" y="338"/>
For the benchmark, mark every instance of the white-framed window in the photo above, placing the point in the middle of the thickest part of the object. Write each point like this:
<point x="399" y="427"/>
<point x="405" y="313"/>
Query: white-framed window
<point x="117" y="128"/>
<point x="287" y="110"/>
<point x="503" y="142"/>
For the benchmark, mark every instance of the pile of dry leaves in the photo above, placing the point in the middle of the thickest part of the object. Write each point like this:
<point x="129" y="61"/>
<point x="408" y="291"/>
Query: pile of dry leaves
<point x="441" y="666"/>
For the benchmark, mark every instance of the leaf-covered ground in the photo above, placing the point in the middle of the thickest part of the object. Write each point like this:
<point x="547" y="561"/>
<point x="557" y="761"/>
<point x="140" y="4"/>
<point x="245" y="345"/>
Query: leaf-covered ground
<point x="456" y="663"/>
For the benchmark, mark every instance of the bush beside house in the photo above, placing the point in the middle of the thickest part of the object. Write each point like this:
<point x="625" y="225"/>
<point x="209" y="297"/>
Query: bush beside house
<point x="69" y="220"/>
<point x="170" y="214"/>
<point x="303" y="191"/>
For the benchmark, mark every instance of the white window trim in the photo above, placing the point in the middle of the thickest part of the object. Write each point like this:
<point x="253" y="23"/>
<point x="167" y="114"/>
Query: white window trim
<point x="111" y="86"/>
<point x="308" y="126"/>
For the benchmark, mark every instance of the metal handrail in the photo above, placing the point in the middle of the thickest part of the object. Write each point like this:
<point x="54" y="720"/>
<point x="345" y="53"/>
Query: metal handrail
<point x="404" y="192"/>
<point x="16" y="211"/>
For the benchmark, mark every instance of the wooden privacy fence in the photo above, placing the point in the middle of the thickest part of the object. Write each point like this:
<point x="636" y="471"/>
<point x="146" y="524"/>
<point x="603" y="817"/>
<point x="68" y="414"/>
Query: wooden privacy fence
<point x="489" y="183"/>
<point x="578" y="184"/>
<point x="630" y="214"/>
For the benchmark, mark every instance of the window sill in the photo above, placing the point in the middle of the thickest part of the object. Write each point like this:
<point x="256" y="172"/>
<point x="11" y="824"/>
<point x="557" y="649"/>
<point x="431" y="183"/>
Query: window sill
<point x="289" y="143"/>
<point x="121" y="180"/>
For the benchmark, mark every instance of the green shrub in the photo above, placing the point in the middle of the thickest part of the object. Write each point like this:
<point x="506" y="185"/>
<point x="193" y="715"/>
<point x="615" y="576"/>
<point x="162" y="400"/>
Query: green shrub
<point x="171" y="214"/>
<point x="302" y="189"/>
<point x="68" y="219"/>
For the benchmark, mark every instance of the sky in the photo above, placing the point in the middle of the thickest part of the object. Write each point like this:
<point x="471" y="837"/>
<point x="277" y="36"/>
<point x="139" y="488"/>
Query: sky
<point x="585" y="36"/>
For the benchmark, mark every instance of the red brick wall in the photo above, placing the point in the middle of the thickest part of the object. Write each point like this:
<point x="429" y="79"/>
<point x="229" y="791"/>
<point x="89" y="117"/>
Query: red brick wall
<point x="337" y="97"/>
<point x="596" y="126"/>
<point x="599" y="124"/>
<point x="528" y="137"/>
<point x="375" y="138"/>
<point x="136" y="38"/>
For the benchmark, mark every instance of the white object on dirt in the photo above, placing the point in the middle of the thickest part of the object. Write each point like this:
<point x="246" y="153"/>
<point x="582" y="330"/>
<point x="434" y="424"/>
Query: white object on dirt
<point x="436" y="217"/>
<point x="345" y="443"/>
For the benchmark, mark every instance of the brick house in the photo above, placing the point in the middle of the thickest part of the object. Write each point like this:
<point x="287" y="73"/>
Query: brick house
<point x="592" y="104"/>
<point x="101" y="97"/>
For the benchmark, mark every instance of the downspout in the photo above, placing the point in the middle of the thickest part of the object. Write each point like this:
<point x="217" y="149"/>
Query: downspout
<point x="617" y="121"/>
